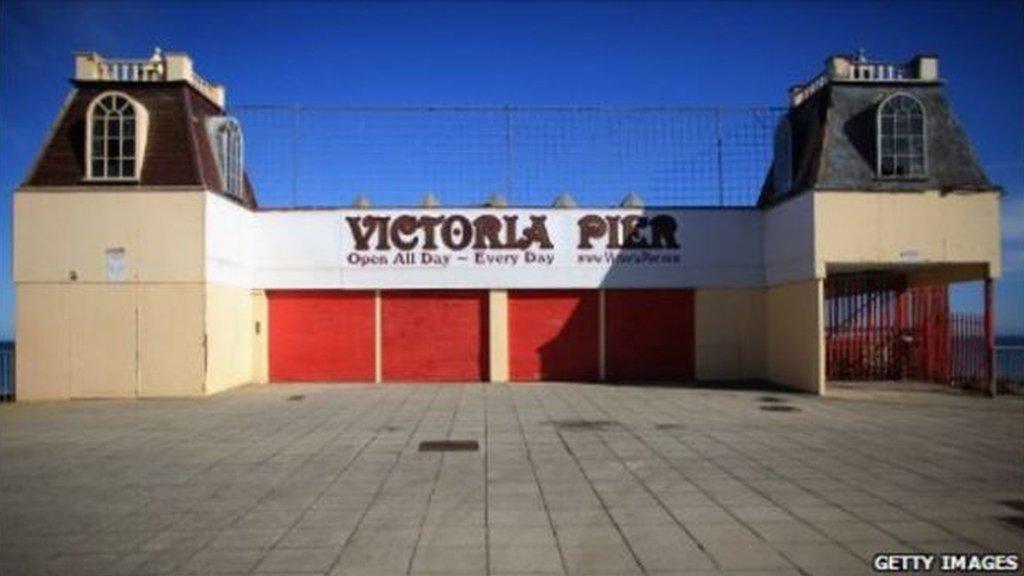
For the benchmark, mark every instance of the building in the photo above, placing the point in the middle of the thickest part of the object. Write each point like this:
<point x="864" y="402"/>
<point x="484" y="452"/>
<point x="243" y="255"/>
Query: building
<point x="144" y="266"/>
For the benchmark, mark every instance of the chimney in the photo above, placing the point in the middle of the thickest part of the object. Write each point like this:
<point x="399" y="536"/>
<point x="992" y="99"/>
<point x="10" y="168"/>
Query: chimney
<point x="838" y="66"/>
<point x="926" y="66"/>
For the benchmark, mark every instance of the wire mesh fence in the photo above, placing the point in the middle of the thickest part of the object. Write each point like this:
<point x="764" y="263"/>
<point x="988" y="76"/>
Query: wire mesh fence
<point x="670" y="156"/>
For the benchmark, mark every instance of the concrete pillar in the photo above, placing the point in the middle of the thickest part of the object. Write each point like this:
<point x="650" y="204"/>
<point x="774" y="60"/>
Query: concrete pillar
<point x="86" y="67"/>
<point x="498" y="335"/>
<point x="261" y="338"/>
<point x="927" y="67"/>
<point x="179" y="67"/>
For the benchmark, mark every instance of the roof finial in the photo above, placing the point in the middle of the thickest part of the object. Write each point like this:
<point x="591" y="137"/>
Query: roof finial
<point x="430" y="201"/>
<point x="564" y="200"/>
<point x="632" y="200"/>
<point x="862" y="55"/>
<point x="497" y="200"/>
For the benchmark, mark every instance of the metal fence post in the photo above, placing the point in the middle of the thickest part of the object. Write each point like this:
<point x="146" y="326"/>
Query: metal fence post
<point x="295" y="155"/>
<point x="718" y="141"/>
<point x="508" y="154"/>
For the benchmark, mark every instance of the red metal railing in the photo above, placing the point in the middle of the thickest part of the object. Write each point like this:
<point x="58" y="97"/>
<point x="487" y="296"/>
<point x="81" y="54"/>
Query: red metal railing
<point x="878" y="328"/>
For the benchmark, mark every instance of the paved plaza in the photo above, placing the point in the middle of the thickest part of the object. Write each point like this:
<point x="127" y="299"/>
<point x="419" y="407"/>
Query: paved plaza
<point x="568" y="479"/>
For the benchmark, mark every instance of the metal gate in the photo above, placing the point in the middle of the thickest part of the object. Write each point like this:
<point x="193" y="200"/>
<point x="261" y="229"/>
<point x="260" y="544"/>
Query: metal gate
<point x="879" y="328"/>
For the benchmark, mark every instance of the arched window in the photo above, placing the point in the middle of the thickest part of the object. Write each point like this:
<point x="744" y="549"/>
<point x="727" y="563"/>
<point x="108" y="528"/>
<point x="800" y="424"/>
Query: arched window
<point x="901" y="137"/>
<point x="226" y="134"/>
<point x="114" y="148"/>
<point x="782" y="164"/>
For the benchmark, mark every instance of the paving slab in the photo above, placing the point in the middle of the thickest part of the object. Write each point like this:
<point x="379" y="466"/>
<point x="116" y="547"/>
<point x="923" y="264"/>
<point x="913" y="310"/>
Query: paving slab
<point x="568" y="479"/>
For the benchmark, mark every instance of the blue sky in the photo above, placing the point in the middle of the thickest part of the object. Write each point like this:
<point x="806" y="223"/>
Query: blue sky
<point x="688" y="53"/>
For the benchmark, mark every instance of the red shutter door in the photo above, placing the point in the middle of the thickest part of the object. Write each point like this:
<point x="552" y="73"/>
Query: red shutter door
<point x="321" y="335"/>
<point x="553" y="335"/>
<point x="649" y="334"/>
<point x="434" y="335"/>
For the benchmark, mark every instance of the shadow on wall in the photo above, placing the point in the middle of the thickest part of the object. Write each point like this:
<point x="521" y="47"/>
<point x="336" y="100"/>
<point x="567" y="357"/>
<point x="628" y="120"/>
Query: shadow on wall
<point x="648" y="318"/>
<point x="650" y="339"/>
<point x="554" y="335"/>
<point x="860" y="131"/>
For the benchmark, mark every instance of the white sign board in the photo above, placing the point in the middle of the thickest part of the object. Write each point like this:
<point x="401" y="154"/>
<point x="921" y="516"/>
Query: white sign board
<point x="509" y="240"/>
<point x="485" y="248"/>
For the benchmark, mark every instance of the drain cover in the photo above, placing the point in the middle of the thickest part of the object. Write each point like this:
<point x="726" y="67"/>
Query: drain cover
<point x="670" y="426"/>
<point x="297" y="397"/>
<point x="449" y="446"/>
<point x="772" y="399"/>
<point x="779" y="408"/>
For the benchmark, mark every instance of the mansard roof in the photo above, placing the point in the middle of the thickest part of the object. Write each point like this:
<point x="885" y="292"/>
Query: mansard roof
<point x="834" y="142"/>
<point x="178" y="153"/>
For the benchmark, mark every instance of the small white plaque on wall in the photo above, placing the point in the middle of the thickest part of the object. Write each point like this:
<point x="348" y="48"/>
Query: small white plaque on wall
<point x="910" y="255"/>
<point x="117" y="265"/>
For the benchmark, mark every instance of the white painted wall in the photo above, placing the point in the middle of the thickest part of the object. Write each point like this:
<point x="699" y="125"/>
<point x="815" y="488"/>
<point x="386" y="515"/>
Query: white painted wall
<point x="230" y="242"/>
<point x="308" y="249"/>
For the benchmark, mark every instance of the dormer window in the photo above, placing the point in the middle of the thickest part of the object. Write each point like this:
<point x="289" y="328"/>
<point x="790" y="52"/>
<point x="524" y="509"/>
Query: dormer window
<point x="226" y="135"/>
<point x="901" y="137"/>
<point x="116" y="138"/>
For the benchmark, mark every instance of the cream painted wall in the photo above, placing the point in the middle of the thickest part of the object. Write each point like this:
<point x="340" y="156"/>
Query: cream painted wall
<point x="730" y="333"/>
<point x="260" y="341"/>
<point x="43" y="361"/>
<point x="109" y="340"/>
<point x="946" y="274"/>
<point x="795" y="341"/>
<point x="88" y="336"/>
<point x="912" y="227"/>
<point x="192" y="259"/>
<point x="104" y="340"/>
<point x="171" y="360"/>
<point x="230" y="335"/>
<point x="59" y="232"/>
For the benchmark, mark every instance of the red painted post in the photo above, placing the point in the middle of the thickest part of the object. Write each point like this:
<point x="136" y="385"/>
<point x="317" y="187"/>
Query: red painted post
<point x="990" y="338"/>
<point x="902" y="346"/>
<point x="870" y="320"/>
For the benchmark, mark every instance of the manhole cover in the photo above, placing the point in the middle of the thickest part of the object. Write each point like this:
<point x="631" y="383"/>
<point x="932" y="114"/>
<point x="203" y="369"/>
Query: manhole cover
<point x="584" y="424"/>
<point x="773" y="399"/>
<point x="449" y="446"/>
<point x="297" y="397"/>
<point x="779" y="408"/>
<point x="389" y="429"/>
<point x="670" y="426"/>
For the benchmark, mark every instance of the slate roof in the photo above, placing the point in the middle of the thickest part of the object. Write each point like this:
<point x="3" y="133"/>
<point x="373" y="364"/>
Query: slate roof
<point x="833" y="140"/>
<point x="178" y="150"/>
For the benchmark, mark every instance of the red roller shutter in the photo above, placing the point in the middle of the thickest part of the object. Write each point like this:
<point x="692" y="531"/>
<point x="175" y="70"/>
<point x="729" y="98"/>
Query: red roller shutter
<point x="553" y="335"/>
<point x="321" y="335"/>
<point x="434" y="335"/>
<point x="649" y="334"/>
